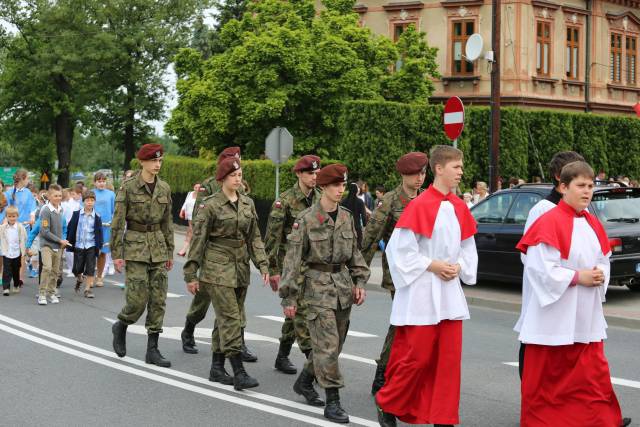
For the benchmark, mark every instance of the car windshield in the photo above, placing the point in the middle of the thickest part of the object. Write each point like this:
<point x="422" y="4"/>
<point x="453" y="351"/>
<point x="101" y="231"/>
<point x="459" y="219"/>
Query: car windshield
<point x="618" y="205"/>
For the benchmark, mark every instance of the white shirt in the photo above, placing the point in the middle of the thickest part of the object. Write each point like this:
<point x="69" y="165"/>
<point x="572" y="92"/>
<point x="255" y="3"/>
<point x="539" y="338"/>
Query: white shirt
<point x="189" y="204"/>
<point x="68" y="208"/>
<point x="13" y="241"/>
<point x="539" y="209"/>
<point x="421" y="297"/>
<point x="556" y="313"/>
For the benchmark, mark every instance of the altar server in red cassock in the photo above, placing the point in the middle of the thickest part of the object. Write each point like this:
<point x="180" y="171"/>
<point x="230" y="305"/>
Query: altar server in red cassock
<point x="566" y="380"/>
<point x="430" y="251"/>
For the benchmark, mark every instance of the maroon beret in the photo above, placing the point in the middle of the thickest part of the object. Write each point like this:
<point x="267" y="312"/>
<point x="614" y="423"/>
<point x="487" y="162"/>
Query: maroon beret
<point x="412" y="163"/>
<point x="229" y="152"/>
<point x="150" y="151"/>
<point x="307" y="163"/>
<point x="332" y="174"/>
<point x="226" y="166"/>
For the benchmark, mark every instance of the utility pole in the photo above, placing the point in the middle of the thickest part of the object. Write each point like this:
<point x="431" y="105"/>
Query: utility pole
<point x="494" y="146"/>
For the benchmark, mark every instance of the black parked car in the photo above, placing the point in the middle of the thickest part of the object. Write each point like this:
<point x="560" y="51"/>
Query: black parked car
<point x="501" y="218"/>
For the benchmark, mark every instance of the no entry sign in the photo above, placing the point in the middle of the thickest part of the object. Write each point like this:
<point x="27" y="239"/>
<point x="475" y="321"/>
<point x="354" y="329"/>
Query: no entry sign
<point x="453" y="118"/>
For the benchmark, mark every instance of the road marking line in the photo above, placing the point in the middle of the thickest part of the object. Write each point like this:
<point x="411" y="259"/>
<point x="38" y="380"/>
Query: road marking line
<point x="179" y="374"/>
<point x="614" y="380"/>
<point x="350" y="333"/>
<point x="164" y="380"/>
<point x="173" y="332"/>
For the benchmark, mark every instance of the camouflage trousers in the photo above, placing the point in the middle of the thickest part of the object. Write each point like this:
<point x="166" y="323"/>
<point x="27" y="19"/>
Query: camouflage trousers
<point x="146" y="287"/>
<point x="200" y="305"/>
<point x="328" y="329"/>
<point x="388" y="342"/>
<point x="228" y="304"/>
<point x="297" y="328"/>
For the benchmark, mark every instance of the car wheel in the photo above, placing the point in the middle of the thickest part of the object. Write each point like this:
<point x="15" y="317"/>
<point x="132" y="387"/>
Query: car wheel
<point x="634" y="287"/>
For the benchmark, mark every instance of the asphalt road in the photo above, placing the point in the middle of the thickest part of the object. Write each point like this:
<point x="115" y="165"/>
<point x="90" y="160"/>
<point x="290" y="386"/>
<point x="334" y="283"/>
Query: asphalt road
<point x="59" y="368"/>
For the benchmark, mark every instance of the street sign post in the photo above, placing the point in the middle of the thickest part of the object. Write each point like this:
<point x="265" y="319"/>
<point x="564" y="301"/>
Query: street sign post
<point x="453" y="119"/>
<point x="278" y="148"/>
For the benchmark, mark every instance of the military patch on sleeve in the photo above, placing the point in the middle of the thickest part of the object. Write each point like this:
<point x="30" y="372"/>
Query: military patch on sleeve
<point x="278" y="205"/>
<point x="379" y="203"/>
<point x="45" y="223"/>
<point x="202" y="189"/>
<point x="201" y="206"/>
<point x="296" y="226"/>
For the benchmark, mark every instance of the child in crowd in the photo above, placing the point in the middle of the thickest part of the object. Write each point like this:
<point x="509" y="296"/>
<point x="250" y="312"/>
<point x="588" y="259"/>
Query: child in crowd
<point x="104" y="206"/>
<point x="85" y="239"/>
<point x="3" y="211"/>
<point x="70" y="204"/>
<point x="13" y="237"/>
<point x="52" y="244"/>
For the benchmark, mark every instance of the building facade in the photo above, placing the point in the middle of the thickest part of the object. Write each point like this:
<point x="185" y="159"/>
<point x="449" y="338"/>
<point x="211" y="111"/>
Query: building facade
<point x="576" y="55"/>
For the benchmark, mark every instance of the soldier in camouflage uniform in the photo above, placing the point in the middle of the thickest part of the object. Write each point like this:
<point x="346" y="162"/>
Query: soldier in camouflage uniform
<point x="201" y="301"/>
<point x="413" y="168"/>
<point x="323" y="240"/>
<point x="225" y="238"/>
<point x="142" y="235"/>
<point x="283" y="213"/>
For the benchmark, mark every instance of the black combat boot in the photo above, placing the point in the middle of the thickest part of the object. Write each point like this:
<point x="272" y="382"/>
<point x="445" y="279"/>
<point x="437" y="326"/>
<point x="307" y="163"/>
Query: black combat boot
<point x="217" y="373"/>
<point x="188" y="342"/>
<point x="333" y="410"/>
<point x="119" y="330"/>
<point x="304" y="387"/>
<point x="247" y="355"/>
<point x="625" y="422"/>
<point x="385" y="419"/>
<point x="241" y="379"/>
<point x="153" y="354"/>
<point x="378" y="379"/>
<point x="283" y="364"/>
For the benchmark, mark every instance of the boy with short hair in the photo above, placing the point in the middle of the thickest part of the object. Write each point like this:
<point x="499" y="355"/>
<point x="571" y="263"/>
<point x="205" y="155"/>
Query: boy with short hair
<point x="566" y="379"/>
<point x="431" y="249"/>
<point x="13" y="237"/>
<point x="85" y="237"/>
<point x="52" y="244"/>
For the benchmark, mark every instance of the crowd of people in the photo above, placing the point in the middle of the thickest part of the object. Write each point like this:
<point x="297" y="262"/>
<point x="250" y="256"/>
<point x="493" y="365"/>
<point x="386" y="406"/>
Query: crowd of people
<point x="316" y="255"/>
<point x="48" y="233"/>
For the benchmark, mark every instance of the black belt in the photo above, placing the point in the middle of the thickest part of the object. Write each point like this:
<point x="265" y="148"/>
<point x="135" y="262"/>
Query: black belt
<point x="223" y="241"/>
<point x="142" y="228"/>
<point x="327" y="268"/>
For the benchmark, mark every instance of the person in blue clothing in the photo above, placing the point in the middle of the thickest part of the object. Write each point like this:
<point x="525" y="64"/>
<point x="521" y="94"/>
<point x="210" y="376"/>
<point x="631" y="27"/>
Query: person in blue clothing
<point x="105" y="206"/>
<point x="21" y="197"/>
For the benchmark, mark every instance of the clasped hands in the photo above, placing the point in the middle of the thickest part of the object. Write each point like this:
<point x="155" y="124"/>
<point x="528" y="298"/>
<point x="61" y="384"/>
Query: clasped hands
<point x="444" y="270"/>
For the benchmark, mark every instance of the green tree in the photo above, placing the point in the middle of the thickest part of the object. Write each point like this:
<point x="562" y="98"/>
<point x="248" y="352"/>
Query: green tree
<point x="285" y="66"/>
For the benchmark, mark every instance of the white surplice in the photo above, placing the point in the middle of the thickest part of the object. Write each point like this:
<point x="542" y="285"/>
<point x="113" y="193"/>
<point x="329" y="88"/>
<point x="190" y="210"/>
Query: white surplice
<point x="557" y="313"/>
<point x="421" y="297"/>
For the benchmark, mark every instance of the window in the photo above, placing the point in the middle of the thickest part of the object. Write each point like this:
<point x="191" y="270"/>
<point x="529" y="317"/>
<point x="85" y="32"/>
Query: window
<point x="398" y="29"/>
<point x="573" y="43"/>
<point x="631" y="56"/>
<point x="543" y="48"/>
<point x="461" y="32"/>
<point x="520" y="209"/>
<point x="615" y="58"/>
<point x="493" y="210"/>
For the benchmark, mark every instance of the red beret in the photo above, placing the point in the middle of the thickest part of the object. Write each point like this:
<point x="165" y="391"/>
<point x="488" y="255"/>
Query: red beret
<point x="307" y="163"/>
<point x="412" y="163"/>
<point x="226" y="166"/>
<point x="332" y="174"/>
<point x="150" y="151"/>
<point x="229" y="152"/>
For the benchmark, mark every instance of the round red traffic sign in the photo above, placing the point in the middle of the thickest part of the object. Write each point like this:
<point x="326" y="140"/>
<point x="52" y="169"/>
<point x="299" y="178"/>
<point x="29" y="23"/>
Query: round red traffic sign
<point x="453" y="117"/>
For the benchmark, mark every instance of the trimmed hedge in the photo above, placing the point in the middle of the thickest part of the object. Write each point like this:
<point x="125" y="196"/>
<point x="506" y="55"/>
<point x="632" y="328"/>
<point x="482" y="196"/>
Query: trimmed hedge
<point x="374" y="134"/>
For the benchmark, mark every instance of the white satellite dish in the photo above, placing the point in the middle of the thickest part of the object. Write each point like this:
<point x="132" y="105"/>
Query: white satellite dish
<point x="473" y="49"/>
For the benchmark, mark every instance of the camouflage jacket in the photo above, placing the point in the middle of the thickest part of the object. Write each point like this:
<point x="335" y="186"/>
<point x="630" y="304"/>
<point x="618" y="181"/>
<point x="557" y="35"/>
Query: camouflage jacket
<point x="283" y="213"/>
<point x="381" y="225"/>
<point x="134" y="204"/>
<point x="316" y="239"/>
<point x="225" y="238"/>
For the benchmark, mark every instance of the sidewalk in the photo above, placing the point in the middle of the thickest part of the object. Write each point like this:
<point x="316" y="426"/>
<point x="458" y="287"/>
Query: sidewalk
<point x="621" y="309"/>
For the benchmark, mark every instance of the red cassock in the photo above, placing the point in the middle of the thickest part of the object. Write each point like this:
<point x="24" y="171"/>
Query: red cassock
<point x="566" y="385"/>
<point x="422" y="379"/>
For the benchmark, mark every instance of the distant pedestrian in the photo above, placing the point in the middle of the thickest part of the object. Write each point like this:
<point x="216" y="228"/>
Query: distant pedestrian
<point x="365" y="196"/>
<point x="85" y="238"/>
<point x="105" y="207"/>
<point x="20" y="196"/>
<point x="52" y="244"/>
<point x="13" y="238"/>
<point x="468" y="199"/>
<point x="186" y="213"/>
<point x="380" y="192"/>
<point x="481" y="191"/>
<point x="357" y="209"/>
